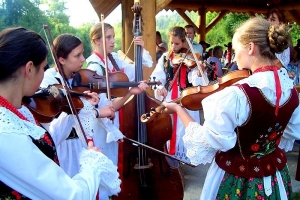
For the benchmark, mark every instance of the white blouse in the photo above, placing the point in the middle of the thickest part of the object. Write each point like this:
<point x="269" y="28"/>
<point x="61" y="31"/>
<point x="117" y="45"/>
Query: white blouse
<point x="229" y="108"/>
<point x="27" y="170"/>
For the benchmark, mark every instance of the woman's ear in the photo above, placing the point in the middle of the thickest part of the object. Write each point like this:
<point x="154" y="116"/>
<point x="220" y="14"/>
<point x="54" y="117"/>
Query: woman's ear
<point x="251" y="48"/>
<point x="61" y="60"/>
<point x="29" y="69"/>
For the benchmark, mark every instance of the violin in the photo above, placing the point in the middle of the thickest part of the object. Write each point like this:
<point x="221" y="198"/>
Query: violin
<point x="48" y="103"/>
<point x="185" y="57"/>
<point x="86" y="79"/>
<point x="191" y="97"/>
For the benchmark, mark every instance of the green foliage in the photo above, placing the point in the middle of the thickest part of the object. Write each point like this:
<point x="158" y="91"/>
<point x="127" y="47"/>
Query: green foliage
<point x="33" y="14"/>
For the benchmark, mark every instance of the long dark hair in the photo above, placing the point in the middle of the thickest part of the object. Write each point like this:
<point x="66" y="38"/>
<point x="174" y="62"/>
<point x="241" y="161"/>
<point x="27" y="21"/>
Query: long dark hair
<point x="17" y="47"/>
<point x="64" y="44"/>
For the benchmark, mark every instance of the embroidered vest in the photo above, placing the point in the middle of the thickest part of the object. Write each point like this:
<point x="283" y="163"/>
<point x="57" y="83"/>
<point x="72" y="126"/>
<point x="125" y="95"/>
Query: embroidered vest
<point x="170" y="71"/>
<point x="113" y="62"/>
<point x="256" y="152"/>
<point x="46" y="145"/>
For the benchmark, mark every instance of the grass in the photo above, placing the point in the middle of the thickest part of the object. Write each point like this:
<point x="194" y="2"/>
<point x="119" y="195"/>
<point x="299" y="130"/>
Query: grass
<point x="296" y="196"/>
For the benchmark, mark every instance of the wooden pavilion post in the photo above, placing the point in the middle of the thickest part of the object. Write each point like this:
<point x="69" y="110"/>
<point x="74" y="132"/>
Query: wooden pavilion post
<point x="149" y="31"/>
<point x="202" y="24"/>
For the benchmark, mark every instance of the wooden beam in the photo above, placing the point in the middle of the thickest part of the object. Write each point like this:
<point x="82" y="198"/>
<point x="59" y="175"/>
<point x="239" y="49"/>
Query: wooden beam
<point x="288" y="6"/>
<point x="161" y="4"/>
<point x="216" y="20"/>
<point x="185" y="17"/>
<point x="295" y="16"/>
<point x="202" y="28"/>
<point x="251" y="14"/>
<point x="103" y="7"/>
<point x="217" y="7"/>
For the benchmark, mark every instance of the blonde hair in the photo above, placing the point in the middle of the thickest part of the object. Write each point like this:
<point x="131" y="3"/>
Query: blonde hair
<point x="270" y="39"/>
<point x="96" y="31"/>
<point x="179" y="32"/>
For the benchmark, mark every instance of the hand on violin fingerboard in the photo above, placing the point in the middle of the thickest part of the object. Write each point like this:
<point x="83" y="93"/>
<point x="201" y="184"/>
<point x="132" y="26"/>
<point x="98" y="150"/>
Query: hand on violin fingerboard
<point x="93" y="97"/>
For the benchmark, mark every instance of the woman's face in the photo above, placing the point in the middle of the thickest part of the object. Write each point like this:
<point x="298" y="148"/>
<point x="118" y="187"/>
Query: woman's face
<point x="176" y="43"/>
<point x="110" y="40"/>
<point x="74" y="61"/>
<point x="37" y="77"/>
<point x="273" y="19"/>
<point x="241" y="53"/>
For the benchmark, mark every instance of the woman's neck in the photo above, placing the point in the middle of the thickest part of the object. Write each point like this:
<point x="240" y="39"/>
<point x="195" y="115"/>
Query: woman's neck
<point x="12" y="94"/>
<point x="100" y="51"/>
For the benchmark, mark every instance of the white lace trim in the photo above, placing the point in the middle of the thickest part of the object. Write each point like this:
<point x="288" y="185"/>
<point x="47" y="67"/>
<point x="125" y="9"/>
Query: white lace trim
<point x="113" y="133"/>
<point x="11" y="123"/>
<point x="103" y="167"/>
<point x="198" y="149"/>
<point x="286" y="144"/>
<point x="261" y="80"/>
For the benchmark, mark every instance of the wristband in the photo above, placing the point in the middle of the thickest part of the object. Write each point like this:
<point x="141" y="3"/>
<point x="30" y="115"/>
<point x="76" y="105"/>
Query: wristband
<point x="97" y="112"/>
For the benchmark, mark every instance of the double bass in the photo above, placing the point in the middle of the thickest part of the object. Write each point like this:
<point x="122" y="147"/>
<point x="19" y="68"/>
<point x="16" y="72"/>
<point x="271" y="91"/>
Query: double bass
<point x="146" y="175"/>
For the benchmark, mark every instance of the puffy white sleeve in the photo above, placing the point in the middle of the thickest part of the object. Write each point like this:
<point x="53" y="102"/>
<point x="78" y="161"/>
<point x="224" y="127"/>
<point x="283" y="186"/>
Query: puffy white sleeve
<point x="59" y="128"/>
<point x="129" y="69"/>
<point x="38" y="177"/>
<point x="195" y="79"/>
<point x="159" y="75"/>
<point x="223" y="112"/>
<point x="291" y="132"/>
<point x="147" y="59"/>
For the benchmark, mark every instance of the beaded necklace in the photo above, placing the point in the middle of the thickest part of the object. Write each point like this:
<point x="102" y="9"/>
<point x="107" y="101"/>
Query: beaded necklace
<point x="6" y="104"/>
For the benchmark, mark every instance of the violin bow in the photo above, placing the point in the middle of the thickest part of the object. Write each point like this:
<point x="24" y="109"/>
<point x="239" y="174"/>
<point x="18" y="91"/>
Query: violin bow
<point x="105" y="58"/>
<point x="81" y="134"/>
<point x="196" y="60"/>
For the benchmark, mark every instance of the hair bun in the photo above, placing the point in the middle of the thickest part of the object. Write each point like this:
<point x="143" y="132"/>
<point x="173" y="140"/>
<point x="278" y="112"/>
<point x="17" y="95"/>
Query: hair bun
<point x="279" y="38"/>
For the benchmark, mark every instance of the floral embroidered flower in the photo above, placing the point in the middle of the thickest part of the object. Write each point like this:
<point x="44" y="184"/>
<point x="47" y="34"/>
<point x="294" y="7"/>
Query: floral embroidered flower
<point x="273" y="136"/>
<point x="268" y="167"/>
<point x="228" y="163"/>
<point x="279" y="160"/>
<point x="16" y="194"/>
<point x="251" y="179"/>
<point x="256" y="169"/>
<point x="255" y="147"/>
<point x="242" y="168"/>
<point x="260" y="186"/>
<point x="237" y="191"/>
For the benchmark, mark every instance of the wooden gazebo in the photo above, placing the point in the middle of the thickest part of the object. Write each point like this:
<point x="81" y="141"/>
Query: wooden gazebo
<point x="222" y="7"/>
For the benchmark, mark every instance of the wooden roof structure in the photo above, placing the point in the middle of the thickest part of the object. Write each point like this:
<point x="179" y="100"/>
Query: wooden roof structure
<point x="291" y="9"/>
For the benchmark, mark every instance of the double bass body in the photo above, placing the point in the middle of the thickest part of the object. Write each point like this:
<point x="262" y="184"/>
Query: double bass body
<point x="145" y="175"/>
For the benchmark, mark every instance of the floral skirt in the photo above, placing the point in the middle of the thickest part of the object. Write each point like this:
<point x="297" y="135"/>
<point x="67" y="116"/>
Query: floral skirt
<point x="234" y="187"/>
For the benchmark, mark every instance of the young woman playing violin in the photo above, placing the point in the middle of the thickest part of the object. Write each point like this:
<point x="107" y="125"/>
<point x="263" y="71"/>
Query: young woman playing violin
<point x="173" y="81"/>
<point x="246" y="123"/>
<point x="29" y="165"/>
<point x="69" y="51"/>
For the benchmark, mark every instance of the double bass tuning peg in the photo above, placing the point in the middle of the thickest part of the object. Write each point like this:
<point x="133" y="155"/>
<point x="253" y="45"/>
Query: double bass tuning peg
<point x="153" y="87"/>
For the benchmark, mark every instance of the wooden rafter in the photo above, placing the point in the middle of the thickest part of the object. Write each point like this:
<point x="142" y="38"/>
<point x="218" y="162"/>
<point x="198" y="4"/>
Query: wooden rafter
<point x="295" y="16"/>
<point x="216" y="20"/>
<point x="161" y="4"/>
<point x="185" y="17"/>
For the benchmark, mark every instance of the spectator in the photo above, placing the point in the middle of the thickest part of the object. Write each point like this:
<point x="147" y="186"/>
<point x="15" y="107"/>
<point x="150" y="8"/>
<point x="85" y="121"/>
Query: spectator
<point x="204" y="46"/>
<point x="190" y="32"/>
<point x="276" y="17"/>
<point x="160" y="45"/>
<point x="217" y="55"/>
<point x="228" y="54"/>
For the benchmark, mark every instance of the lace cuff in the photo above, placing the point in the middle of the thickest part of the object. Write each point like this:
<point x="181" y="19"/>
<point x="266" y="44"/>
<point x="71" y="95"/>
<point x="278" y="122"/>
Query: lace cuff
<point x="113" y="133"/>
<point x="103" y="167"/>
<point x="286" y="144"/>
<point x="199" y="150"/>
